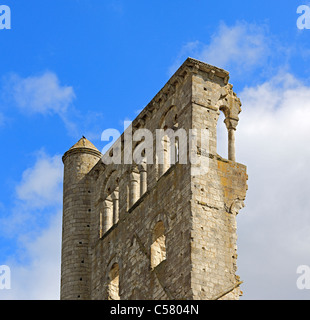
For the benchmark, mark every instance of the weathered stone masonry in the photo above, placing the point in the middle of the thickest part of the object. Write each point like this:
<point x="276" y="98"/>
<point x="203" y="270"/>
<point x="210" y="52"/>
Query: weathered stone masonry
<point x="157" y="231"/>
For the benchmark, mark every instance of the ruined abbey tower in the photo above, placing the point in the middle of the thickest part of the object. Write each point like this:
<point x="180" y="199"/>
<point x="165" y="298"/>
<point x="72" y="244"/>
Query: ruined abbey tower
<point x="158" y="229"/>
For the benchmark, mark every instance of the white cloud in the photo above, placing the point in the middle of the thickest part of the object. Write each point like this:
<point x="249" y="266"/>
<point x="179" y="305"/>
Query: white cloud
<point x="35" y="224"/>
<point x="41" y="94"/>
<point x="274" y="229"/>
<point x="45" y="95"/>
<point x="39" y="189"/>
<point x="38" y="195"/>
<point x="39" y="279"/>
<point x="41" y="184"/>
<point x="243" y="45"/>
<point x="238" y="48"/>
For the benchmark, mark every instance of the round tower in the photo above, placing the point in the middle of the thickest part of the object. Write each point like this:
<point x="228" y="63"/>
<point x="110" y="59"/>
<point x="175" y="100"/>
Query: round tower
<point x="75" y="273"/>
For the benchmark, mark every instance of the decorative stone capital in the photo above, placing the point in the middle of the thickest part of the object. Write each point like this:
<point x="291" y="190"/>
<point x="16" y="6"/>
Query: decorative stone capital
<point x="236" y="205"/>
<point x="115" y="194"/>
<point x="231" y="123"/>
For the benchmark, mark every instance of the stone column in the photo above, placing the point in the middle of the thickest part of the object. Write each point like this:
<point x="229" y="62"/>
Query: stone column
<point x="231" y="145"/>
<point x="107" y="216"/>
<point x="115" y="197"/>
<point x="231" y="125"/>
<point x="143" y="178"/>
<point x="133" y="192"/>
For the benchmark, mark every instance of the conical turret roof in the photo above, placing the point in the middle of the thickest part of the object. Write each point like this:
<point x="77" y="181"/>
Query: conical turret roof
<point x="84" y="143"/>
<point x="83" y="146"/>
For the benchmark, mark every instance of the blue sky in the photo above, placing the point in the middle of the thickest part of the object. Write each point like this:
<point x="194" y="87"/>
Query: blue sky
<point x="77" y="67"/>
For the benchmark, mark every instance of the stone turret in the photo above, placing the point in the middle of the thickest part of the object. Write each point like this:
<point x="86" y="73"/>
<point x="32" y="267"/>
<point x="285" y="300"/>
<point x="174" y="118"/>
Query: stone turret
<point x="78" y="161"/>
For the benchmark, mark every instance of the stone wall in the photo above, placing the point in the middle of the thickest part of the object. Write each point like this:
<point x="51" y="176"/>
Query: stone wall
<point x="160" y="231"/>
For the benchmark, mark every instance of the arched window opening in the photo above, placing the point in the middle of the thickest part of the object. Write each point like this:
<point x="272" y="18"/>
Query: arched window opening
<point x="113" y="286"/>
<point x="158" y="247"/>
<point x="222" y="136"/>
<point x="109" y="207"/>
<point x="167" y="146"/>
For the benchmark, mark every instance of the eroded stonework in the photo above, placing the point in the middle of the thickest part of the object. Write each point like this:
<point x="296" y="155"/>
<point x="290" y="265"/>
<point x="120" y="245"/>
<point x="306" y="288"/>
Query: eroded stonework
<point x="158" y="231"/>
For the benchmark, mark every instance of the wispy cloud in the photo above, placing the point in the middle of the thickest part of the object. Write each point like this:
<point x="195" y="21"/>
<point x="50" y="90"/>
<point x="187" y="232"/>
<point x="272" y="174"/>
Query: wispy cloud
<point x="34" y="223"/>
<point x="39" y="190"/>
<point x="42" y="94"/>
<point x="39" y="277"/>
<point x="239" y="48"/>
<point x="242" y="45"/>
<point x="40" y="185"/>
<point x="45" y="95"/>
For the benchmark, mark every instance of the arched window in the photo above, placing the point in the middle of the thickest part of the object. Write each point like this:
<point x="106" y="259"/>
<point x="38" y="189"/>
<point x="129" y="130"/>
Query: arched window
<point x="221" y="135"/>
<point x="230" y="124"/>
<point x="113" y="286"/>
<point x="158" y="247"/>
<point x="109" y="213"/>
<point x="109" y="208"/>
<point x="167" y="141"/>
